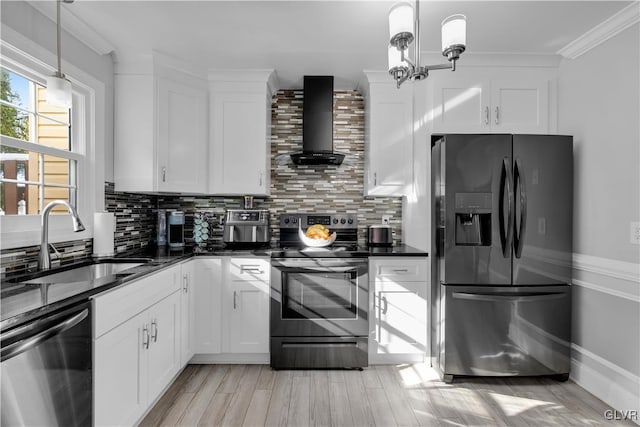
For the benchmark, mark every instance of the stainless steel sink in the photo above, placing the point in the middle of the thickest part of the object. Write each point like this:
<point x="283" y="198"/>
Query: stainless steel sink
<point x="85" y="273"/>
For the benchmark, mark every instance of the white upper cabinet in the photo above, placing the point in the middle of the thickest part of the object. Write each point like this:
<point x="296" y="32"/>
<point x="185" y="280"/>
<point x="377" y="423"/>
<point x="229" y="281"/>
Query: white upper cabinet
<point x="240" y="132"/>
<point x="492" y="100"/>
<point x="388" y="136"/>
<point x="160" y="128"/>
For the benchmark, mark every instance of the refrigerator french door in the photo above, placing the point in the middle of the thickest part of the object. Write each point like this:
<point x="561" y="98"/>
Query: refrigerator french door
<point x="502" y="222"/>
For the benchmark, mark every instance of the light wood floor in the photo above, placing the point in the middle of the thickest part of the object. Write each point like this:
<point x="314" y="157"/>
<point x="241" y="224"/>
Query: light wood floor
<point x="401" y="395"/>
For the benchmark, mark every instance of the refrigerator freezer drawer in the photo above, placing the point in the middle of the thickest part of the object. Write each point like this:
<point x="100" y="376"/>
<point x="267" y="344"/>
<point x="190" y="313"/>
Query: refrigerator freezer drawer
<point x="506" y="331"/>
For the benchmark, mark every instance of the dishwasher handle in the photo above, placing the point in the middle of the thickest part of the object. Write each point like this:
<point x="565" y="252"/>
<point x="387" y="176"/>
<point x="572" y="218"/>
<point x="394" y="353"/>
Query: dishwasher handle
<point x="21" y="346"/>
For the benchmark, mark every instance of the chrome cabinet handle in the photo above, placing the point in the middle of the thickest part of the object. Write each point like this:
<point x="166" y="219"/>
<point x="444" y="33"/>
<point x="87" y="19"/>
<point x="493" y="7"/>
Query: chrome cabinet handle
<point x="385" y="305"/>
<point x="234" y="300"/>
<point x="251" y="269"/>
<point x="154" y="330"/>
<point x="185" y="283"/>
<point x="375" y="178"/>
<point x="401" y="270"/>
<point x="164" y="174"/>
<point x="486" y="115"/>
<point x="497" y="115"/>
<point x="145" y="337"/>
<point x="260" y="179"/>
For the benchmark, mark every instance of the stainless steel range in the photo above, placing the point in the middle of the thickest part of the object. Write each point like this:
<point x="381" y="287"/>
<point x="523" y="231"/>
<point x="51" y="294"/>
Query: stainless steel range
<point x="319" y="297"/>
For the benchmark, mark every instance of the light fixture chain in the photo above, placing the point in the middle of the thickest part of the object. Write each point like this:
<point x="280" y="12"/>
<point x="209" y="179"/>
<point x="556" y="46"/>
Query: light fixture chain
<point x="58" y="31"/>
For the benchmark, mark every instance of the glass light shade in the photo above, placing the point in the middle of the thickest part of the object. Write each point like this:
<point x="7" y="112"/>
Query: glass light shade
<point x="59" y="92"/>
<point x="395" y="58"/>
<point x="400" y="19"/>
<point x="454" y="31"/>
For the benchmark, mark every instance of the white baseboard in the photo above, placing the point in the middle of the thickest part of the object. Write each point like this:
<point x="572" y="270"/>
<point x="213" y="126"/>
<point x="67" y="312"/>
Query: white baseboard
<point x="396" y="359"/>
<point x="231" y="359"/>
<point x="612" y="384"/>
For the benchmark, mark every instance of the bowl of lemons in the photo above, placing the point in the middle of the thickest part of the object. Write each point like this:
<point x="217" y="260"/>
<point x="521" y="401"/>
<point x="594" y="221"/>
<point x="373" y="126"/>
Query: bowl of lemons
<point x="316" y="236"/>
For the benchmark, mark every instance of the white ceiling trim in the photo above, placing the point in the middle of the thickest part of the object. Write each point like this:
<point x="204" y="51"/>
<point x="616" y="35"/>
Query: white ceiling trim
<point x="74" y="26"/>
<point x="602" y="32"/>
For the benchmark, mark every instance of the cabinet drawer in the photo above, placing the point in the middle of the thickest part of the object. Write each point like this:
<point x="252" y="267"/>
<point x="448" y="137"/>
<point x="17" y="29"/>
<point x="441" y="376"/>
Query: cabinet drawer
<point x="400" y="270"/>
<point x="118" y="305"/>
<point x="249" y="269"/>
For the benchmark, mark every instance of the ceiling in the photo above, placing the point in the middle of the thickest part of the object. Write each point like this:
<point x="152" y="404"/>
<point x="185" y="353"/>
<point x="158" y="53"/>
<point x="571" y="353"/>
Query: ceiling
<point x="339" y="38"/>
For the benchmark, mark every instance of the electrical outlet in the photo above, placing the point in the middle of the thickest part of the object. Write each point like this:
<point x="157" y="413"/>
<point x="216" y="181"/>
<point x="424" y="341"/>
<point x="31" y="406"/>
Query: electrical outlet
<point x="634" y="233"/>
<point x="386" y="219"/>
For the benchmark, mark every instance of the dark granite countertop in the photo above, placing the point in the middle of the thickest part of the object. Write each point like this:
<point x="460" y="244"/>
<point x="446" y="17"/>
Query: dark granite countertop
<point x="20" y="302"/>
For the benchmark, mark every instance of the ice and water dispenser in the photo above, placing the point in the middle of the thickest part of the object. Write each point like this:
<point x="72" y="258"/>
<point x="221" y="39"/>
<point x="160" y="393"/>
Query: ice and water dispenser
<point x="473" y="219"/>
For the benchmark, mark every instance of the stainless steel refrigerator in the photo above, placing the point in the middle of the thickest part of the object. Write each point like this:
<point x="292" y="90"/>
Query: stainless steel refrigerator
<point x="502" y="246"/>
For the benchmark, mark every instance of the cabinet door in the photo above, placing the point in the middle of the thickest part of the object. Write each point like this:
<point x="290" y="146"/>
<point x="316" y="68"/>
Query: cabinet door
<point x="240" y="148"/>
<point x="401" y="318"/>
<point x="187" y="302"/>
<point x="181" y="138"/>
<point x="520" y="106"/>
<point x="460" y="104"/>
<point x="390" y="166"/>
<point x="248" y="308"/>
<point x="207" y="290"/>
<point x="164" y="346"/>
<point x="120" y="354"/>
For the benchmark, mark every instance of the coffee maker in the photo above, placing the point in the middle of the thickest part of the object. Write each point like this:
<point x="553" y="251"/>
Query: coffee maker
<point x="175" y="229"/>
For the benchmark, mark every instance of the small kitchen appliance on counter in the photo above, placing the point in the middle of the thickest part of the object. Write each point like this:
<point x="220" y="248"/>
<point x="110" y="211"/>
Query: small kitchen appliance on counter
<point x="380" y="235"/>
<point x="175" y="229"/>
<point x="246" y="227"/>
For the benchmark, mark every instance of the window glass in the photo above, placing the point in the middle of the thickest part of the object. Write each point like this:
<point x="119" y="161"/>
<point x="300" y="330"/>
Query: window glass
<point x="31" y="176"/>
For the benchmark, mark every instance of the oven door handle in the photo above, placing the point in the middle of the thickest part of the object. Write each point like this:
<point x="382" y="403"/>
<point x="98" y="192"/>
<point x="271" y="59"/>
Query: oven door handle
<point x="21" y="346"/>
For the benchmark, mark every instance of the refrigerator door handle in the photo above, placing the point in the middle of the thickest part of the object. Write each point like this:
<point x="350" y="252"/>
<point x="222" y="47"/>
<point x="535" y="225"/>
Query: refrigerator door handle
<point x="521" y="182"/>
<point x="507" y="180"/>
<point x="504" y="296"/>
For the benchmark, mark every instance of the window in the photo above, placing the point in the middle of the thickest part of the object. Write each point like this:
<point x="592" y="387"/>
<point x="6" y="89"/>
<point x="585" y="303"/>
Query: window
<point x="39" y="161"/>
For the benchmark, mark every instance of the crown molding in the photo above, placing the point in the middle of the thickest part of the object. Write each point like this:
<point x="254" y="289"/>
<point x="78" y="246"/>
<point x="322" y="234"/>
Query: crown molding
<point x="74" y="26"/>
<point x="602" y="32"/>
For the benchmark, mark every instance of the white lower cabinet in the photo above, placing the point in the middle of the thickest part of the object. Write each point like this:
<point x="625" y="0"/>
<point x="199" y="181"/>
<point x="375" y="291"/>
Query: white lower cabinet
<point x="207" y="290"/>
<point x="399" y="288"/>
<point x="187" y="312"/>
<point x="247" y="317"/>
<point x="231" y="310"/>
<point x="120" y="398"/>
<point x="137" y="346"/>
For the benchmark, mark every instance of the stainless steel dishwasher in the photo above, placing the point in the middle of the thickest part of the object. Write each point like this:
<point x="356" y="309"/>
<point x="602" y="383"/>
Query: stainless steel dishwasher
<point x="47" y="370"/>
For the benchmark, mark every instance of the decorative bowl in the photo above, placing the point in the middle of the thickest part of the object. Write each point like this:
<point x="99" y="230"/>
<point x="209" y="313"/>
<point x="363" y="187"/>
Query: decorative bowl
<point x="315" y="243"/>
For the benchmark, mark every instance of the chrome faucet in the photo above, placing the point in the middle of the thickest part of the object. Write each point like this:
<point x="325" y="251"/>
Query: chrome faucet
<point x="44" y="262"/>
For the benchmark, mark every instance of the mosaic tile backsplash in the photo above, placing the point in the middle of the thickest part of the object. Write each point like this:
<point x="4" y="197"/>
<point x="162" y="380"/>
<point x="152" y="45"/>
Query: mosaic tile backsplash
<point x="17" y="261"/>
<point x="294" y="188"/>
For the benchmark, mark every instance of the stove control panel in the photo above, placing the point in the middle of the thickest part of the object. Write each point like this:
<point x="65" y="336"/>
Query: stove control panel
<point x="331" y="221"/>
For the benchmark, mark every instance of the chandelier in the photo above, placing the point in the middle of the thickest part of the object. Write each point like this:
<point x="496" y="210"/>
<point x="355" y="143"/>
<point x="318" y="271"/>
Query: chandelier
<point x="401" y="32"/>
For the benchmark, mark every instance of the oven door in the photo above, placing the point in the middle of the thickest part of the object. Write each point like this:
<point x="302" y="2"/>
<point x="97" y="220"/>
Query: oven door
<point x="319" y="297"/>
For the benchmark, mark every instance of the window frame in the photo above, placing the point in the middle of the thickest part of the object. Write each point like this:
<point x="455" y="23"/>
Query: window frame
<point x="20" y="54"/>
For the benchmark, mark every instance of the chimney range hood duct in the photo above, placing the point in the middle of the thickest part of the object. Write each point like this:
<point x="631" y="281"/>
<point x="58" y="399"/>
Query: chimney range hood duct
<point x="317" y="124"/>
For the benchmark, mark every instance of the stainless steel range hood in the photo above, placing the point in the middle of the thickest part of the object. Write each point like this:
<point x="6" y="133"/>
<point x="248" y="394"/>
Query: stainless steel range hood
<point x="317" y="124"/>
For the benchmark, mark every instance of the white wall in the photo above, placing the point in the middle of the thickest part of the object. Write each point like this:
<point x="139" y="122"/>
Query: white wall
<point x="24" y="19"/>
<point x="599" y="104"/>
